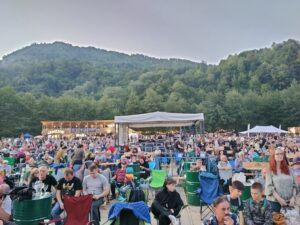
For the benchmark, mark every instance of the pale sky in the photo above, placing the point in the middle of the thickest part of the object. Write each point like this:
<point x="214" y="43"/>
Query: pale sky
<point x="192" y="29"/>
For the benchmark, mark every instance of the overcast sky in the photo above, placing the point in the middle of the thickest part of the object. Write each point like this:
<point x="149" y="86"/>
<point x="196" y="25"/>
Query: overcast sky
<point x="192" y="29"/>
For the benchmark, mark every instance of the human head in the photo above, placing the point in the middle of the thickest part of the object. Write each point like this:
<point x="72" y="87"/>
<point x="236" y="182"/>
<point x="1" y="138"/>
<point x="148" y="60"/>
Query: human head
<point x="221" y="208"/>
<point x="142" y="160"/>
<point x="264" y="172"/>
<point x="93" y="171"/>
<point x="241" y="155"/>
<point x="278" y="158"/>
<point x="43" y="172"/>
<point x="5" y="162"/>
<point x="34" y="172"/>
<point x="236" y="189"/>
<point x="257" y="191"/>
<point x="224" y="158"/>
<point x="170" y="184"/>
<point x="68" y="174"/>
<point x="4" y="189"/>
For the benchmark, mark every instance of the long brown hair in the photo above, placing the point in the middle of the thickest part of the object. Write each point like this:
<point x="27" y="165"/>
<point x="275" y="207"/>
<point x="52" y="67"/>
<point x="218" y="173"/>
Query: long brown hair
<point x="284" y="166"/>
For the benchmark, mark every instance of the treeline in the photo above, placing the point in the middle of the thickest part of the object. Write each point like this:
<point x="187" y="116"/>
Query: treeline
<point x="257" y="87"/>
<point x="232" y="110"/>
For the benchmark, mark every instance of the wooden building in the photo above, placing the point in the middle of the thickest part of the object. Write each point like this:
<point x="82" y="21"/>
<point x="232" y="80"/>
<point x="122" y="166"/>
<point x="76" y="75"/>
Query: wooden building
<point x="77" y="128"/>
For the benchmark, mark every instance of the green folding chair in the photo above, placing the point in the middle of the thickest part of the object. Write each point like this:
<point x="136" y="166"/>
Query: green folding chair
<point x="11" y="161"/>
<point x="157" y="179"/>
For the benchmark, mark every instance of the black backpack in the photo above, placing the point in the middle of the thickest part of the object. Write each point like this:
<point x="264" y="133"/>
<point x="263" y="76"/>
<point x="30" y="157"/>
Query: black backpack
<point x="21" y="193"/>
<point x="136" y="195"/>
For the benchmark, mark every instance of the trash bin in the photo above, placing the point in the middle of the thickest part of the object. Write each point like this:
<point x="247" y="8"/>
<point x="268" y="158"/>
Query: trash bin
<point x="31" y="212"/>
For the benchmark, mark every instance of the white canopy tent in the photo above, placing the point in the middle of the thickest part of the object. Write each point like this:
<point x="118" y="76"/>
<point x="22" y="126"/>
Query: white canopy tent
<point x="155" y="119"/>
<point x="264" y="129"/>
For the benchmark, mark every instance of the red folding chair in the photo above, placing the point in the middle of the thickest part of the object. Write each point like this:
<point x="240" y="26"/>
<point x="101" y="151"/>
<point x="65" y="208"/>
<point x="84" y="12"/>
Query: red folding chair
<point x="77" y="209"/>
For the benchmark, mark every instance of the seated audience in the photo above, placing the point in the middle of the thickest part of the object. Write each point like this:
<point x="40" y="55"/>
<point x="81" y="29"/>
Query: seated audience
<point x="257" y="209"/>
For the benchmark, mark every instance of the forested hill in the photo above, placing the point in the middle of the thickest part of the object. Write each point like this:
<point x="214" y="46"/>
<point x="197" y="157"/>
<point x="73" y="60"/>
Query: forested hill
<point x="63" y="82"/>
<point x="52" y="69"/>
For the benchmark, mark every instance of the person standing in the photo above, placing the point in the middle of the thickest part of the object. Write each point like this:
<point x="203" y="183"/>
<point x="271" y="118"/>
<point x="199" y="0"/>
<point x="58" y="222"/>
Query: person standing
<point x="68" y="185"/>
<point x="97" y="185"/>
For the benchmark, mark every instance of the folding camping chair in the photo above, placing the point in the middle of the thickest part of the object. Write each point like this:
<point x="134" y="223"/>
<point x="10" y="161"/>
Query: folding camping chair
<point x="208" y="191"/>
<point x="77" y="210"/>
<point x="123" y="213"/>
<point x="157" y="180"/>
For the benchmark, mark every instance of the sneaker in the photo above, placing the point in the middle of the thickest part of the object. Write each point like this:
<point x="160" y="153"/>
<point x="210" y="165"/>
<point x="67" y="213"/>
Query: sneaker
<point x="173" y="219"/>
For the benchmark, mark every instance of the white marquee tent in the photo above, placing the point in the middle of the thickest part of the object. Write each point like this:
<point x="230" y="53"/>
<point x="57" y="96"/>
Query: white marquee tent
<point x="155" y="119"/>
<point x="264" y="129"/>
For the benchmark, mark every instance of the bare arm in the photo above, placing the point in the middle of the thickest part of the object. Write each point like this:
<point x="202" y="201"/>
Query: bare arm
<point x="241" y="217"/>
<point x="4" y="215"/>
<point x="58" y="196"/>
<point x="77" y="193"/>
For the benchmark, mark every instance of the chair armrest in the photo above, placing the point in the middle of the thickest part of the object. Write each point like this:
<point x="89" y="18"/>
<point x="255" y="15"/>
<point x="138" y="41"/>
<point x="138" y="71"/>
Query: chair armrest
<point x="51" y="221"/>
<point x="149" y="179"/>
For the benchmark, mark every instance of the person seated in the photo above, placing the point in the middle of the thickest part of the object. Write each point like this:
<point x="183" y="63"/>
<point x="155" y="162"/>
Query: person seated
<point x="225" y="172"/>
<point x="97" y="185"/>
<point x="236" y="204"/>
<point x="257" y="209"/>
<point x="5" y="203"/>
<point x="198" y="166"/>
<point x="239" y="161"/>
<point x="221" y="213"/>
<point x="5" y="167"/>
<point x="145" y="171"/>
<point x="68" y="185"/>
<point x="296" y="169"/>
<point x="34" y="173"/>
<point x="119" y="177"/>
<point x="167" y="203"/>
<point x="48" y="180"/>
<point x="262" y="179"/>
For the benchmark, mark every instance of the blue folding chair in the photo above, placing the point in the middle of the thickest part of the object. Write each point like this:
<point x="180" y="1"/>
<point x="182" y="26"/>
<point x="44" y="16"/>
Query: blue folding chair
<point x="151" y="165"/>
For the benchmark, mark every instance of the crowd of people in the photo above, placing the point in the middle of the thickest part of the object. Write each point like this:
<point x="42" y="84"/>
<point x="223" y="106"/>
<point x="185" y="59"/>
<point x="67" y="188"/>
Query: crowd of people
<point x="94" y="165"/>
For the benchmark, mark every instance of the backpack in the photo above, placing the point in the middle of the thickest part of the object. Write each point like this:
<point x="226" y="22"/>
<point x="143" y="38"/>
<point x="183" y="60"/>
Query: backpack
<point x="264" y="205"/>
<point x="22" y="193"/>
<point x="137" y="195"/>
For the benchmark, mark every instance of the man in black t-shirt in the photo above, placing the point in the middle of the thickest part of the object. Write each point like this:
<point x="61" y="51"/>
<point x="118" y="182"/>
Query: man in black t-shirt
<point x="68" y="185"/>
<point x="48" y="180"/>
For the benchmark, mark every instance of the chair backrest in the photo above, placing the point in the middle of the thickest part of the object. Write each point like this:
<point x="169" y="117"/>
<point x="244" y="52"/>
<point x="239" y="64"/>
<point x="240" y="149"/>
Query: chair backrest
<point x="158" y="178"/>
<point x="231" y="162"/>
<point x="10" y="160"/>
<point x="78" y="209"/>
<point x="148" y="149"/>
<point x="151" y="165"/>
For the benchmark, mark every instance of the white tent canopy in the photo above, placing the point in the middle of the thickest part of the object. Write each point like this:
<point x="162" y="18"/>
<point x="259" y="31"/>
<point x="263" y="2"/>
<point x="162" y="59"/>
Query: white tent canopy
<point x="264" y="129"/>
<point x="159" y="119"/>
<point x="154" y="119"/>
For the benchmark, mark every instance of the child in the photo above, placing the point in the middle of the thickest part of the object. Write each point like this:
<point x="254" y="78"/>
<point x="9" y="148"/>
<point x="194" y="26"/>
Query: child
<point x="236" y="204"/>
<point x="257" y="209"/>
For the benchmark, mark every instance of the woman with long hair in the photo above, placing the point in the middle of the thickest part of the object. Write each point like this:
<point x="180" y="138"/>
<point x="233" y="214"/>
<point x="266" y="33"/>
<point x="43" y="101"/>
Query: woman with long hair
<point x="280" y="188"/>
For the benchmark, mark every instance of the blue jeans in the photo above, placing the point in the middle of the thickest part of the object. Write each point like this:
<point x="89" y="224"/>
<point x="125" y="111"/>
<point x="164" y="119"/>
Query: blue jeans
<point x="55" y="213"/>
